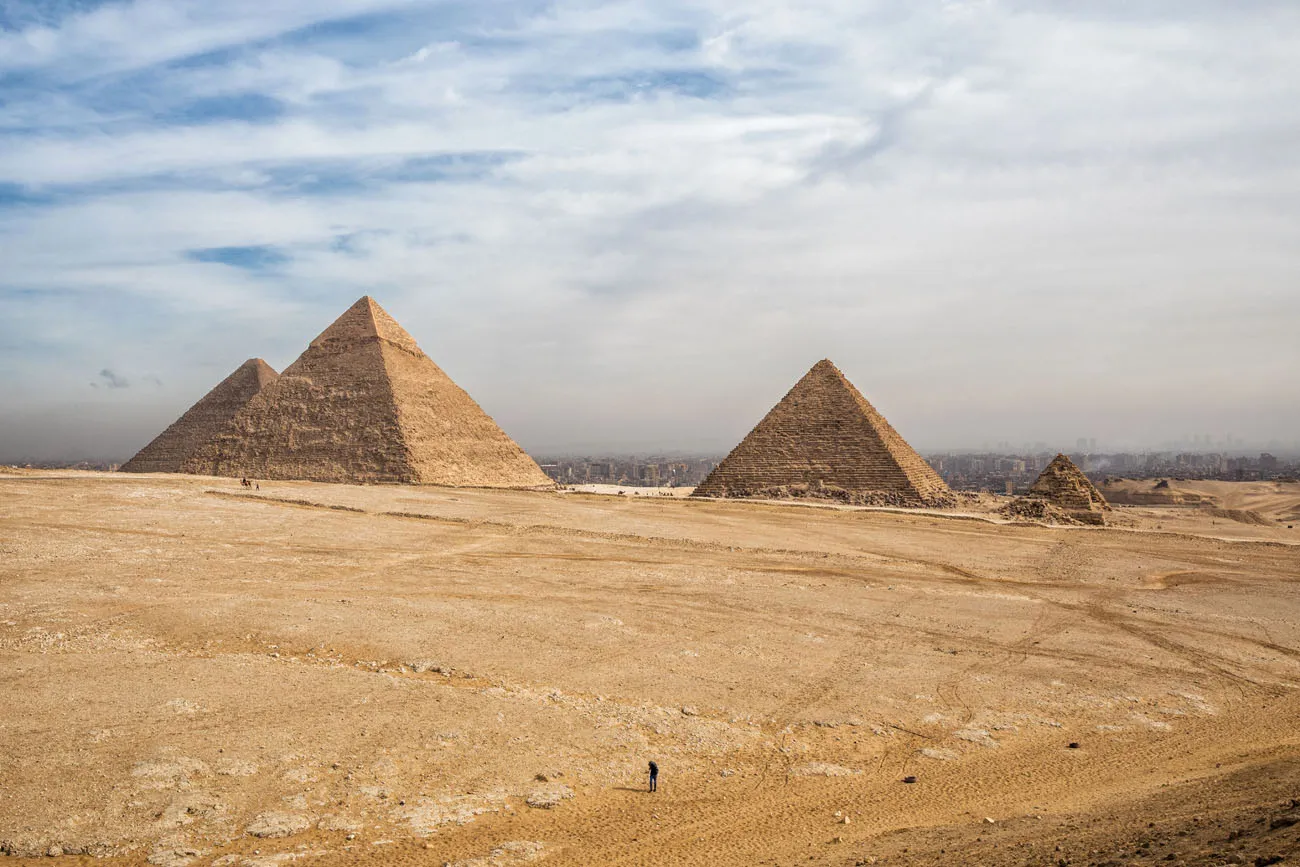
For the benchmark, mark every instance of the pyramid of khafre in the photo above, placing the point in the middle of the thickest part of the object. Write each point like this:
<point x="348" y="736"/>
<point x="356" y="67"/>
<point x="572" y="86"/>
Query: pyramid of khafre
<point x="825" y="440"/>
<point x="1063" y="484"/>
<point x="364" y="404"/>
<point x="203" y="421"/>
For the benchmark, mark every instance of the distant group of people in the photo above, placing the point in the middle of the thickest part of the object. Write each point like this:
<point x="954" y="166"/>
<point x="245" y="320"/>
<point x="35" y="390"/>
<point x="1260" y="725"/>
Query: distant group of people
<point x="246" y="483"/>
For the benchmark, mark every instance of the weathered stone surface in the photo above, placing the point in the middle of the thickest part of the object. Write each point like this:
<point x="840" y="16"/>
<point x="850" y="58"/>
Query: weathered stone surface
<point x="203" y="421"/>
<point x="825" y="440"/>
<point x="549" y="798"/>
<point x="363" y="404"/>
<point x="278" y="825"/>
<point x="1065" y="486"/>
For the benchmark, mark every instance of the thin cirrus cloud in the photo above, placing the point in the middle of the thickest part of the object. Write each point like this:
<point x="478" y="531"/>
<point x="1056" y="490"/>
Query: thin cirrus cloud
<point x="632" y="225"/>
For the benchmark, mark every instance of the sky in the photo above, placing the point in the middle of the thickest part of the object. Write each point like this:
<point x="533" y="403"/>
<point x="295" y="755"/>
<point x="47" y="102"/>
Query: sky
<point x="632" y="226"/>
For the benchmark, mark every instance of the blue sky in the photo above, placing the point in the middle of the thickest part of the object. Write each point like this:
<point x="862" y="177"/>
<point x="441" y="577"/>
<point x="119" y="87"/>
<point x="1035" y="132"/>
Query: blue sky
<point x="634" y="225"/>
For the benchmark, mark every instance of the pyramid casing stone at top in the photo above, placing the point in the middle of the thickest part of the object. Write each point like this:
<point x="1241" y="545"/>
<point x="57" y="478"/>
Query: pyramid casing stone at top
<point x="203" y="421"/>
<point x="363" y="403"/>
<point x="825" y="440"/>
<point x="1064" y="485"/>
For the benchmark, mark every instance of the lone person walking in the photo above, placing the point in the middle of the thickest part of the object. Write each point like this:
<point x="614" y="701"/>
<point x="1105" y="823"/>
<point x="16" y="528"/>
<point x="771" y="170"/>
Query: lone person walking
<point x="654" y="777"/>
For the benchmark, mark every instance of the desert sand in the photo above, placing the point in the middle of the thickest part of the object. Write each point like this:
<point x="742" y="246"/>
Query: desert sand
<point x="332" y="674"/>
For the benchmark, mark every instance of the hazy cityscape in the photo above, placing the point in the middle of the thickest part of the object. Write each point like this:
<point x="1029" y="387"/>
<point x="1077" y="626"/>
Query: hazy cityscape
<point x="997" y="472"/>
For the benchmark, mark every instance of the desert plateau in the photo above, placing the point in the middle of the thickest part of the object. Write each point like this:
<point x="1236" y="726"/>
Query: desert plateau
<point x="198" y="673"/>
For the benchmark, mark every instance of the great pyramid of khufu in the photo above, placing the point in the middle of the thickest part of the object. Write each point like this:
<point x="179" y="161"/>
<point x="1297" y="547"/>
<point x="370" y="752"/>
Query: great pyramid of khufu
<point x="1064" y="485"/>
<point x="825" y="440"/>
<point x="363" y="403"/>
<point x="203" y="421"/>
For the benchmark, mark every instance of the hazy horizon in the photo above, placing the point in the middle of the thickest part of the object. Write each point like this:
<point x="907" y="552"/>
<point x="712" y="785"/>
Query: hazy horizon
<point x="630" y="226"/>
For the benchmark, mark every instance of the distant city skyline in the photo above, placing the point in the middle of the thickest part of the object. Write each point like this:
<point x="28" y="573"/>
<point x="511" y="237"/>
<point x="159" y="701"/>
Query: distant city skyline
<point x="633" y="226"/>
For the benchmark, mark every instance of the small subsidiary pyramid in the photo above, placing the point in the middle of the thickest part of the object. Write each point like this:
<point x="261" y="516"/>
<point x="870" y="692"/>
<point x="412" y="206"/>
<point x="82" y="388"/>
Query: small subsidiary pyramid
<point x="203" y="421"/>
<point x="825" y="440"/>
<point x="363" y="403"/>
<point x="1064" y="485"/>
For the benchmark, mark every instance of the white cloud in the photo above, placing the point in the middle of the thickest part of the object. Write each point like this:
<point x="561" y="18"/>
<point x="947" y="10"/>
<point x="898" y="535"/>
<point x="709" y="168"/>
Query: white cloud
<point x="1003" y="223"/>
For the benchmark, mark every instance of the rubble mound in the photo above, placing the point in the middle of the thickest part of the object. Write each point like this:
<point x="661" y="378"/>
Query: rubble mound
<point x="823" y="491"/>
<point x="1037" y="510"/>
<point x="203" y="421"/>
<point x="822" y="438"/>
<point x="364" y="404"/>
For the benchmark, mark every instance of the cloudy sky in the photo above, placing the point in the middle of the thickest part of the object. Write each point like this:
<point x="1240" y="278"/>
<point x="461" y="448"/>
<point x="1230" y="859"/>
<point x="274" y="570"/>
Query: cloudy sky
<point x="633" y="225"/>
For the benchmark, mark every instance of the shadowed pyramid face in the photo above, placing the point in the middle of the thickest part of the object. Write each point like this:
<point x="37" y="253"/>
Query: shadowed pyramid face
<point x="824" y="435"/>
<point x="203" y="421"/>
<point x="363" y="403"/>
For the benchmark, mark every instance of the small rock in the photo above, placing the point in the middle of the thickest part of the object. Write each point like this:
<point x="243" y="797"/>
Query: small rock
<point x="690" y="710"/>
<point x="845" y="820"/>
<point x="1072" y="745"/>
<point x="909" y="779"/>
<point x="988" y="820"/>
<point x="55" y="851"/>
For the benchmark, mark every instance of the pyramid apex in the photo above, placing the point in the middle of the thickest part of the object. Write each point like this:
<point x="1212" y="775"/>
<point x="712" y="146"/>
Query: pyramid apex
<point x="363" y="322"/>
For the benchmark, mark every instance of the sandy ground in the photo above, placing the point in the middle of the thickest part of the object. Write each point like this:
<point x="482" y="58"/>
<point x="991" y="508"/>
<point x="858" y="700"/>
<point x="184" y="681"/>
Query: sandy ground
<point x="329" y="674"/>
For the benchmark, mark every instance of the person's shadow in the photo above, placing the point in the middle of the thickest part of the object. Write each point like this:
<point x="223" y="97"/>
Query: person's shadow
<point x="631" y="789"/>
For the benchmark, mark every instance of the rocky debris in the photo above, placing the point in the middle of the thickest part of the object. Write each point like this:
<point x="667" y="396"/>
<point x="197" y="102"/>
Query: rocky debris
<point x="833" y="493"/>
<point x="422" y="666"/>
<point x="273" y="825"/>
<point x="824" y="440"/>
<point x="37" y="848"/>
<point x="821" y="769"/>
<point x="173" y="853"/>
<point x="909" y="780"/>
<point x="1033" y="509"/>
<point x="548" y="798"/>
